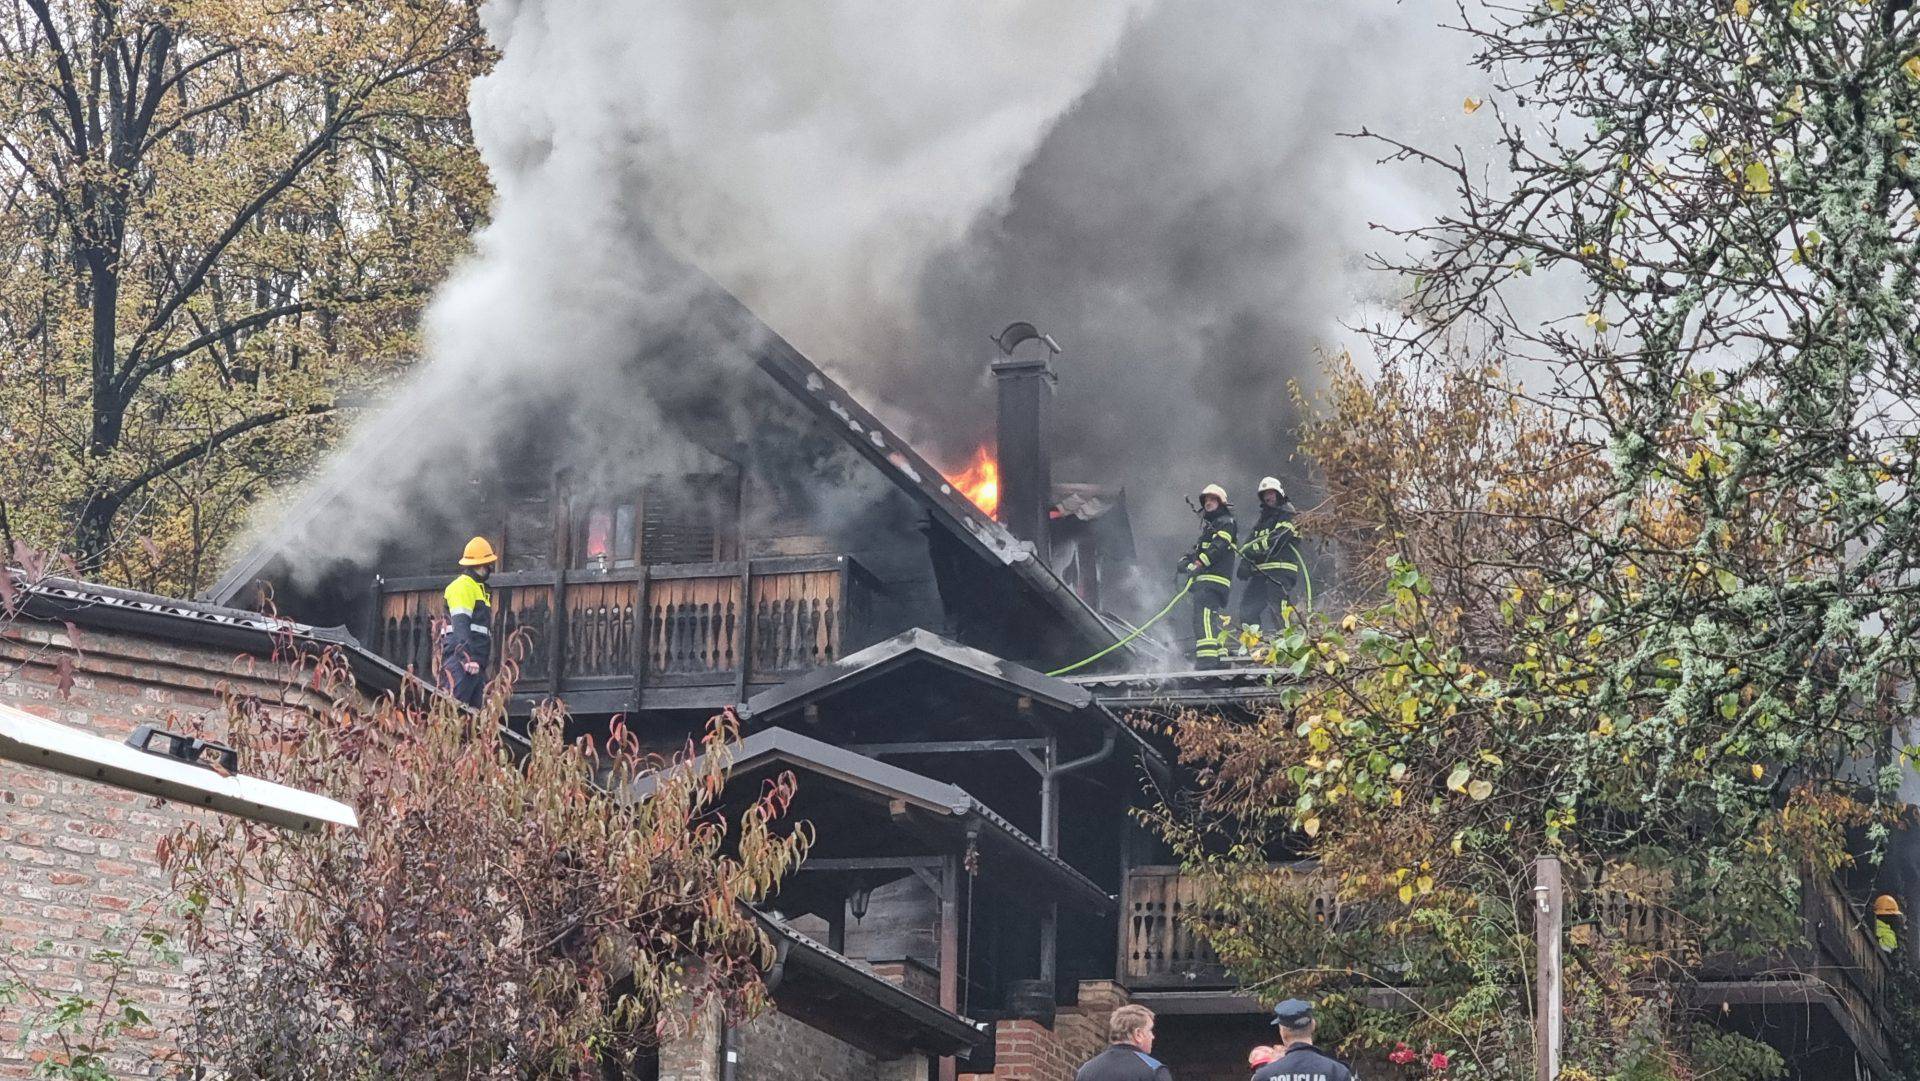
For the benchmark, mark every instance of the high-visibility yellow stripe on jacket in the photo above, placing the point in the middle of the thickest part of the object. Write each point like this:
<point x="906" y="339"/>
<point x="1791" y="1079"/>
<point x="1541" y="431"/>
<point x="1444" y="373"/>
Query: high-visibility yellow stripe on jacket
<point x="469" y="614"/>
<point x="1213" y="554"/>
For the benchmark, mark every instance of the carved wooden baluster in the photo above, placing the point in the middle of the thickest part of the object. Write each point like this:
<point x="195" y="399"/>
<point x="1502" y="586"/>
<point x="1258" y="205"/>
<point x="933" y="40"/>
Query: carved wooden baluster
<point x="656" y="635"/>
<point x="676" y="635"/>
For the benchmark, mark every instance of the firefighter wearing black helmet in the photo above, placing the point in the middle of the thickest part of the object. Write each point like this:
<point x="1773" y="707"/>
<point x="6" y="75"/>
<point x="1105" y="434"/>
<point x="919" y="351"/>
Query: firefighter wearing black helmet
<point x="1270" y="558"/>
<point x="1208" y="568"/>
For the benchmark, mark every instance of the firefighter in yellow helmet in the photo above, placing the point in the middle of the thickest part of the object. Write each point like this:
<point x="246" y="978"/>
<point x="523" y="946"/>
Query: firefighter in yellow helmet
<point x="1270" y="558"/>
<point x="467" y="643"/>
<point x="1208" y="568"/>
<point x="1888" y="922"/>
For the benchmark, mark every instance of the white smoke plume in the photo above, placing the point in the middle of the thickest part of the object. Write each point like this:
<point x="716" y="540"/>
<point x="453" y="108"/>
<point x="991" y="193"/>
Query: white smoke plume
<point x="810" y="157"/>
<point x="1163" y="188"/>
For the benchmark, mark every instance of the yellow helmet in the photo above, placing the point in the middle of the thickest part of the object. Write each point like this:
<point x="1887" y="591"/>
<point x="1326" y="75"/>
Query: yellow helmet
<point x="1215" y="491"/>
<point x="1885" y="907"/>
<point x="478" y="554"/>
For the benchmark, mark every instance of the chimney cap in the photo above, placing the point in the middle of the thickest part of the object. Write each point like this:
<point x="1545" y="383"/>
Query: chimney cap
<point x="1018" y="333"/>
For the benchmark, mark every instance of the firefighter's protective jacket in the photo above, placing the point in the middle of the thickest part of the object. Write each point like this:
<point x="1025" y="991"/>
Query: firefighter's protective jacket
<point x="469" y="633"/>
<point x="1210" y="561"/>
<point x="1271" y="546"/>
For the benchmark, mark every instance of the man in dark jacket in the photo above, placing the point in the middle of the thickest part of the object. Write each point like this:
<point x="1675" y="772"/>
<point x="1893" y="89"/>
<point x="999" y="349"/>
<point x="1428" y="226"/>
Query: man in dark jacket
<point x="1208" y="568"/>
<point x="1299" y="1059"/>
<point x="1269" y="559"/>
<point x="1131" y="1030"/>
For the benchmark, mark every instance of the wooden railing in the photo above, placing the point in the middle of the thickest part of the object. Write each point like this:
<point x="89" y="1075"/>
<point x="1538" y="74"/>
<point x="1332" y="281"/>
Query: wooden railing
<point x="664" y="626"/>
<point x="1159" y="947"/>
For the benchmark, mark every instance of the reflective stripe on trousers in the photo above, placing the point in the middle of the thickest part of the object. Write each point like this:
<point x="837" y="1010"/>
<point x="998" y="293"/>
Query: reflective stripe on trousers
<point x="1210" y="619"/>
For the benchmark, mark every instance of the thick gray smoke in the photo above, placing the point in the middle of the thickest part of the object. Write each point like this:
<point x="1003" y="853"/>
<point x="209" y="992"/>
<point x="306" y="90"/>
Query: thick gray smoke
<point x="811" y="157"/>
<point x="1161" y="188"/>
<point x="1194" y="233"/>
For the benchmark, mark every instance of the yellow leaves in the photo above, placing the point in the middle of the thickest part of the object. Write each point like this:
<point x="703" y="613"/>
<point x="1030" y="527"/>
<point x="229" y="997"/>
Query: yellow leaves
<point x="1471" y="106"/>
<point x="1597" y="322"/>
<point x="1605" y="727"/>
<point x="1424" y="883"/>
<point x="1311" y="827"/>
<point x="1319" y="740"/>
<point x="1757" y="770"/>
<point x="1912" y="67"/>
<point x="1457" y="780"/>
<point x="1480" y="789"/>
<point x="1410" y="712"/>
<point x="1759" y="181"/>
<point x="1743" y="8"/>
<point x="1406" y="894"/>
<point x="1618" y="262"/>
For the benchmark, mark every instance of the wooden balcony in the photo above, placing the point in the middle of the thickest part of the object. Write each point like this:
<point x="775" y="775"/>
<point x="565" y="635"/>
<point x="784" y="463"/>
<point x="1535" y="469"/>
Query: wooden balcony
<point x="1160" y="951"/>
<point x="681" y="635"/>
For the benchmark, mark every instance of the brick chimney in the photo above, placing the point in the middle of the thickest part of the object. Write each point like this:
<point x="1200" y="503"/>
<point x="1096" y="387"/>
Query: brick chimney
<point x="1025" y="387"/>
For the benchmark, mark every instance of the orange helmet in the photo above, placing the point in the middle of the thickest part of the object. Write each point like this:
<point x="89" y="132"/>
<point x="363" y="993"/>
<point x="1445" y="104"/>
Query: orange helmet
<point x="1886" y="908"/>
<point x="478" y="554"/>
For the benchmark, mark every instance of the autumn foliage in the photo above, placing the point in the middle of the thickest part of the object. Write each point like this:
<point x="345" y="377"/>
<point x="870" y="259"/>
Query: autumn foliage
<point x="506" y="908"/>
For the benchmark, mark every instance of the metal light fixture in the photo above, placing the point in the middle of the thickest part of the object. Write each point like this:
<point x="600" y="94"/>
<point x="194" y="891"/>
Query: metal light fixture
<point x="857" y="904"/>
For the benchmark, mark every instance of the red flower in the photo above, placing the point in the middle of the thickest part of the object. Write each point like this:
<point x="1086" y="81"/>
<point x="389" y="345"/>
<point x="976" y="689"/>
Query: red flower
<point x="1438" y="1062"/>
<point x="1400" y="1055"/>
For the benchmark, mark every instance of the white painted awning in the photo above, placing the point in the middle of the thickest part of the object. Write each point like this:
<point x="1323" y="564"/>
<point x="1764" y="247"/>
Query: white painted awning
<point x="35" y="741"/>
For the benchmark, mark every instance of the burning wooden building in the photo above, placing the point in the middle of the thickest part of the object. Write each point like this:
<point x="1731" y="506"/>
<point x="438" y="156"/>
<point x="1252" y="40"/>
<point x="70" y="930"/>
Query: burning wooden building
<point x="888" y="641"/>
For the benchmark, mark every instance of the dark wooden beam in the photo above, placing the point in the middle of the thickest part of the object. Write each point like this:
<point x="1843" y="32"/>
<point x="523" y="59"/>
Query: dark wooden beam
<point x="946" y="746"/>
<point x="873" y="863"/>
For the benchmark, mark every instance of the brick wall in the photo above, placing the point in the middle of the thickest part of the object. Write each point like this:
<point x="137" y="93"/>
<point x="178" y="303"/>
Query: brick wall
<point x="775" y="1047"/>
<point x="77" y="859"/>
<point x="1029" y="1051"/>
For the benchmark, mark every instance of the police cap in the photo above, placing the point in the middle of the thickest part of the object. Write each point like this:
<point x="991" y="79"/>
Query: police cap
<point x="1293" y="1013"/>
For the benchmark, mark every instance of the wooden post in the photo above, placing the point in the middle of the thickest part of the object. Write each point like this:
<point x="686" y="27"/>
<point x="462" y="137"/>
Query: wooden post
<point x="1547" y="912"/>
<point x="950" y="952"/>
<point x="837" y="929"/>
<point x="743" y="608"/>
<point x="560" y="553"/>
<point x="1050" y="842"/>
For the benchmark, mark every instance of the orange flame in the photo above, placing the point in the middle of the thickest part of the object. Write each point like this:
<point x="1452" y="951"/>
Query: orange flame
<point x="980" y="481"/>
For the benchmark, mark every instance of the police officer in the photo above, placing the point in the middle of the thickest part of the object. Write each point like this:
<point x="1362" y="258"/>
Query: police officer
<point x="1269" y="558"/>
<point x="1300" y="1060"/>
<point x="1131" y="1030"/>
<point x="1208" y="567"/>
<point x="467" y="642"/>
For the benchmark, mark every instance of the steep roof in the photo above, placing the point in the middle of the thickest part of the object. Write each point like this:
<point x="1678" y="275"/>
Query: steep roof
<point x="842" y="414"/>
<point x="899" y="462"/>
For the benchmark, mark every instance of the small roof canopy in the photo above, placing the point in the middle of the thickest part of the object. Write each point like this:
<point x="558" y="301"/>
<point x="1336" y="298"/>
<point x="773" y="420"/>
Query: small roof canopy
<point x="820" y="988"/>
<point x="872" y="818"/>
<point x="918" y="685"/>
